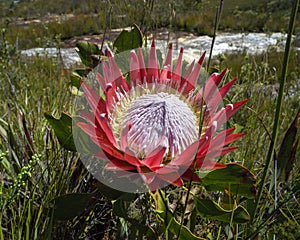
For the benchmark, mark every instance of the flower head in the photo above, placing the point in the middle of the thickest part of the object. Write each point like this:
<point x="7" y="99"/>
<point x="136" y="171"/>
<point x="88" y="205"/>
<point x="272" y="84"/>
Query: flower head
<point x="157" y="124"/>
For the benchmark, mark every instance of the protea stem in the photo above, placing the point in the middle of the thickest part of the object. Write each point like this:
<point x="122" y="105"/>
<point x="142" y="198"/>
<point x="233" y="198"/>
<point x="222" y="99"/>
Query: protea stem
<point x="193" y="170"/>
<point x="217" y="21"/>
<point x="216" y="26"/>
<point x="279" y="103"/>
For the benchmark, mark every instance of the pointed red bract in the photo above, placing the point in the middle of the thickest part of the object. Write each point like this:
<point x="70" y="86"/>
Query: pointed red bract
<point x="154" y="159"/>
<point x="189" y="70"/>
<point x="142" y="64"/>
<point x="193" y="77"/>
<point x="187" y="156"/>
<point x="177" y="70"/>
<point x="135" y="72"/>
<point x="152" y="73"/>
<point x="217" y="99"/>
<point x="164" y="74"/>
<point x="169" y="57"/>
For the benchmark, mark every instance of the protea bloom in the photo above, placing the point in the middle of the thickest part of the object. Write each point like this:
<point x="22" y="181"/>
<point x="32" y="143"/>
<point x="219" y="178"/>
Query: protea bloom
<point x="156" y="123"/>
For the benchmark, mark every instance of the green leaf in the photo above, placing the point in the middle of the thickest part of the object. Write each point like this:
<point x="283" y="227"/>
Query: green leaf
<point x="81" y="72"/>
<point x="75" y="85"/>
<point x="210" y="209"/>
<point x="71" y="205"/>
<point x="114" y="194"/>
<point x="119" y="208"/>
<point x="163" y="212"/>
<point x="213" y="69"/>
<point x="238" y="128"/>
<point x="63" y="130"/>
<point x="235" y="178"/>
<point x="7" y="165"/>
<point x="84" y="144"/>
<point x="287" y="152"/>
<point x="161" y="205"/>
<point x="228" y="202"/>
<point x="174" y="226"/>
<point x="3" y="132"/>
<point x="128" y="40"/>
<point x="77" y="75"/>
<point x="86" y="51"/>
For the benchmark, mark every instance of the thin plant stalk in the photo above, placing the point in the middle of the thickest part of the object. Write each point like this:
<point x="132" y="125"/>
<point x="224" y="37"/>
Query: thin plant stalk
<point x="216" y="26"/>
<point x="278" y="105"/>
<point x="105" y="29"/>
<point x="194" y="163"/>
<point x="217" y="21"/>
<point x="201" y="121"/>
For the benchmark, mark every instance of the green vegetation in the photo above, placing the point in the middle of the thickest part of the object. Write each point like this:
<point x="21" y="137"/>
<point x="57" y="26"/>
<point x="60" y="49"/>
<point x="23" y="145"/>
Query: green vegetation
<point x="35" y="170"/>
<point x="65" y="19"/>
<point x="250" y="16"/>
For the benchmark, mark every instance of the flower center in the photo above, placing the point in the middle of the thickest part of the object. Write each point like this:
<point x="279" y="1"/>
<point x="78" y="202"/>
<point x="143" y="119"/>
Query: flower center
<point x="160" y="119"/>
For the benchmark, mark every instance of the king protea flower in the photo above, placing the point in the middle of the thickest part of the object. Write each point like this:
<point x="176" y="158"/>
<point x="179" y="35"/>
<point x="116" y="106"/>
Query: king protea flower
<point x="157" y="124"/>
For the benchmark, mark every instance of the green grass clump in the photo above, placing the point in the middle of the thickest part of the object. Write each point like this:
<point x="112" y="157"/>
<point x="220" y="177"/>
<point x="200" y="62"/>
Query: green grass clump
<point x="34" y="169"/>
